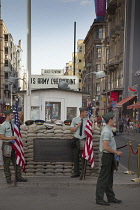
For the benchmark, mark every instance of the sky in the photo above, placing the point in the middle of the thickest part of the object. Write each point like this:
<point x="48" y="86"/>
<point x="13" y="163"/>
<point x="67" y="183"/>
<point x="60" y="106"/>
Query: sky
<point x="52" y="29"/>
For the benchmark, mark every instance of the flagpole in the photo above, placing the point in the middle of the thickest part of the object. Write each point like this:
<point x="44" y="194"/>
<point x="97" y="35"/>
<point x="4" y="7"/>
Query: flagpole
<point x="27" y="107"/>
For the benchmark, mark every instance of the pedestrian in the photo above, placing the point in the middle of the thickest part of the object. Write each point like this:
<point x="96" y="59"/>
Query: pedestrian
<point x="121" y="125"/>
<point x="125" y="123"/>
<point x="138" y="126"/>
<point x="77" y="127"/>
<point x="128" y="123"/>
<point x="108" y="150"/>
<point x="99" y="121"/>
<point x="7" y="135"/>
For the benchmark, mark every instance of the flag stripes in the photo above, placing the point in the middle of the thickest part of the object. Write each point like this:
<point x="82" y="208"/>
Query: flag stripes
<point x="18" y="145"/>
<point x="88" y="152"/>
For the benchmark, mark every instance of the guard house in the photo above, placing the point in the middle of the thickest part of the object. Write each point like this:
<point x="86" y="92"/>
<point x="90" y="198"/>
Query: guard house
<point x="53" y="104"/>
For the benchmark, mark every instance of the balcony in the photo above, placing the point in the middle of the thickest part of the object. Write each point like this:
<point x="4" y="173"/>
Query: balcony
<point x="112" y="7"/>
<point x="89" y="64"/>
<point x="122" y="24"/>
<point x="106" y="40"/>
<point x="112" y="33"/>
<point x="117" y="29"/>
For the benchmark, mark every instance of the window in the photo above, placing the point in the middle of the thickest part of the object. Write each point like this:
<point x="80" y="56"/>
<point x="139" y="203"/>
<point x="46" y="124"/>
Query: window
<point x="35" y="113"/>
<point x="107" y="55"/>
<point x="6" y="50"/>
<point x="6" y="75"/>
<point x="98" y="67"/>
<point x="100" y="33"/>
<point x="80" y="80"/>
<point x="6" y="87"/>
<point x="5" y="37"/>
<point x="6" y="63"/>
<point x="71" y="112"/>
<point x="79" y="70"/>
<point x="98" y="88"/>
<point x="99" y="52"/>
<point x="52" y="111"/>
<point x="79" y="61"/>
<point x="80" y="49"/>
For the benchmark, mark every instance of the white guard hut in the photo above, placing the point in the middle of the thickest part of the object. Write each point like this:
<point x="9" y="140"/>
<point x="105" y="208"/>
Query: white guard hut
<point x="53" y="104"/>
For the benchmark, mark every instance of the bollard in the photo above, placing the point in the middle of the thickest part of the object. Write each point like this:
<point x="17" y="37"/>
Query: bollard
<point x="129" y="160"/>
<point x="137" y="179"/>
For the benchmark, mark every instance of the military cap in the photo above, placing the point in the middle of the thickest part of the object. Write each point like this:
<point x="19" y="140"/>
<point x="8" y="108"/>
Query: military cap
<point x="83" y="109"/>
<point x="39" y="122"/>
<point x="108" y="116"/>
<point x="7" y="112"/>
<point x="29" y="122"/>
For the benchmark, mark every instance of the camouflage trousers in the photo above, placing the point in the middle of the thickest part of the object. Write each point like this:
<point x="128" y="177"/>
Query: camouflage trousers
<point x="7" y="160"/>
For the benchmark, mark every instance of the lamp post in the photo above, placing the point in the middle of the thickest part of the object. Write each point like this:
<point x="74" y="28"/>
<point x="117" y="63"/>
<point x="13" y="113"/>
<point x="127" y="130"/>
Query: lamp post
<point x="99" y="75"/>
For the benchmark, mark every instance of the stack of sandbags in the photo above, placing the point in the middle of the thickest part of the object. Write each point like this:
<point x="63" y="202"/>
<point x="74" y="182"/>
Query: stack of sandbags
<point x="40" y="131"/>
<point x="96" y="140"/>
<point x="49" y="133"/>
<point x="33" y="168"/>
<point x="58" y="131"/>
<point x="67" y="134"/>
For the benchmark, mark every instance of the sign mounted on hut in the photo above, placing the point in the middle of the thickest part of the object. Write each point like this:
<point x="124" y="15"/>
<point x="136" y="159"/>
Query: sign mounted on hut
<point x="53" y="150"/>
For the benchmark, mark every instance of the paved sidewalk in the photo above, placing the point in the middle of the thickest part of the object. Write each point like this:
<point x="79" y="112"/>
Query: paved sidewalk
<point x="56" y="181"/>
<point x="65" y="193"/>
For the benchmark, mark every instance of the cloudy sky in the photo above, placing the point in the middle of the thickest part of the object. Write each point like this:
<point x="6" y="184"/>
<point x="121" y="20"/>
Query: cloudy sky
<point x="52" y="28"/>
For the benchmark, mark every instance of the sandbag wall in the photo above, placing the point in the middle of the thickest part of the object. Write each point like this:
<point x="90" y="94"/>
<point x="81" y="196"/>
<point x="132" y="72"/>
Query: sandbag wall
<point x="29" y="133"/>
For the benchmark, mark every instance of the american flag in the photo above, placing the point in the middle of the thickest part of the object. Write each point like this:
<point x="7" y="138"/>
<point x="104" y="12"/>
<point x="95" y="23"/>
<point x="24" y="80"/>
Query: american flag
<point x="88" y="152"/>
<point x="18" y="145"/>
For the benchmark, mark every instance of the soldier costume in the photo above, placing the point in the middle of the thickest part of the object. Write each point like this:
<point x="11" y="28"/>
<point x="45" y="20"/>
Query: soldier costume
<point x="79" y="140"/>
<point x="105" y="179"/>
<point x="8" y="152"/>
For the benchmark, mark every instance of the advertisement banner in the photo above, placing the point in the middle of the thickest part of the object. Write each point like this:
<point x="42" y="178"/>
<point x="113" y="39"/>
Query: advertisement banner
<point x="100" y="8"/>
<point x="114" y="96"/>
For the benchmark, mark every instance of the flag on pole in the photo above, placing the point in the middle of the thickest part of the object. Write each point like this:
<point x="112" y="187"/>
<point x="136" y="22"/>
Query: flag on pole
<point x="18" y="145"/>
<point x="88" y="152"/>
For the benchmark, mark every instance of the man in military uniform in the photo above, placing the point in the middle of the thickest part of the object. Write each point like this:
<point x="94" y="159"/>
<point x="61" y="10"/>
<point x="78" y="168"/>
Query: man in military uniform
<point x="108" y="149"/>
<point x="7" y="135"/>
<point x="78" y="127"/>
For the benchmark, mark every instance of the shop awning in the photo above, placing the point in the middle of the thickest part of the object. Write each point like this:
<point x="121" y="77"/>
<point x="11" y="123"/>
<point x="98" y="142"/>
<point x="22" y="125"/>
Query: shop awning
<point x="134" y="106"/>
<point x="120" y="103"/>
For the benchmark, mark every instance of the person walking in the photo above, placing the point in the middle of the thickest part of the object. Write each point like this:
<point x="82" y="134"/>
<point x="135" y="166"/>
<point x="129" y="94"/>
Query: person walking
<point x="7" y="135"/>
<point x="77" y="127"/>
<point x="121" y="125"/>
<point x="138" y="125"/>
<point x="108" y="150"/>
<point x="99" y="121"/>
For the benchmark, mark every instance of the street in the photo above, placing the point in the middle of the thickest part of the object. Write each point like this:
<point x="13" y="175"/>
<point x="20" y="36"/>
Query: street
<point x="65" y="198"/>
<point x="121" y="140"/>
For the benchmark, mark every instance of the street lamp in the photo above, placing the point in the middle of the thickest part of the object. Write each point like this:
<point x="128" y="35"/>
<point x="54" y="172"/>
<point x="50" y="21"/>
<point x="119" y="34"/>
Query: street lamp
<point x="12" y="81"/>
<point x="99" y="75"/>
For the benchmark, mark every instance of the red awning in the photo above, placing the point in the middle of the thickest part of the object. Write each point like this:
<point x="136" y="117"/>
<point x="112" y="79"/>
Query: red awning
<point x="120" y="103"/>
<point x="130" y="106"/>
<point x="134" y="106"/>
<point x="102" y="109"/>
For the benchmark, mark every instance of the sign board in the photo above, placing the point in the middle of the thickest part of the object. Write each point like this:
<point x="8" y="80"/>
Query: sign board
<point x="52" y="71"/>
<point x="53" y="150"/>
<point x="52" y="81"/>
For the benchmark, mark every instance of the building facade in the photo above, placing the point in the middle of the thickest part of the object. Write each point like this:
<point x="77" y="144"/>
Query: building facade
<point x="94" y="62"/>
<point x="114" y="66"/>
<point x="79" y="63"/>
<point x="10" y="65"/>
